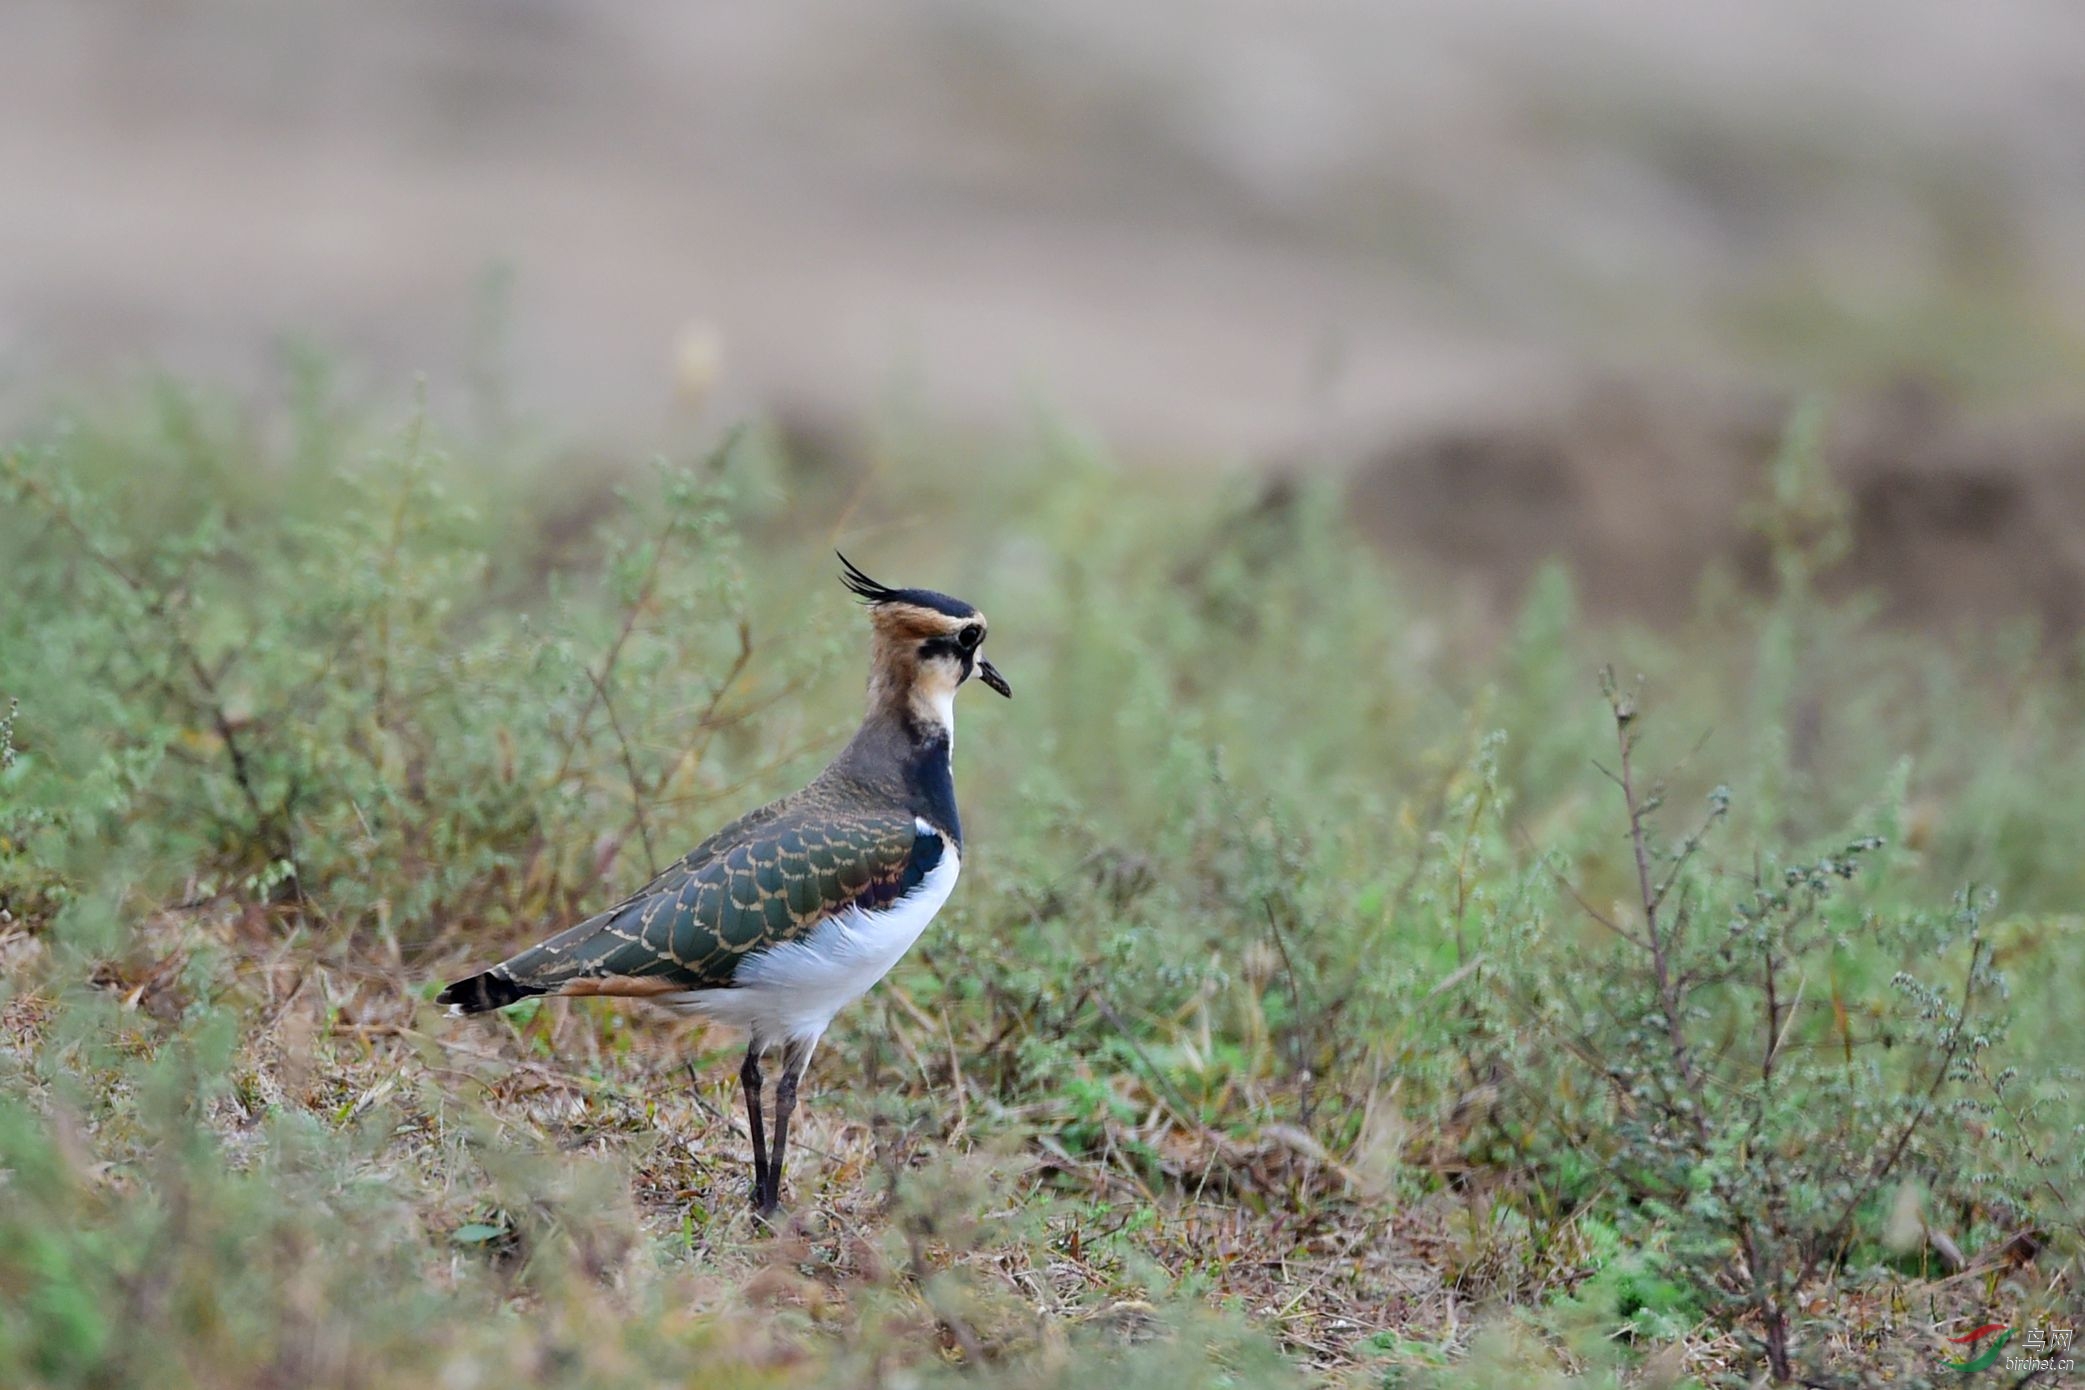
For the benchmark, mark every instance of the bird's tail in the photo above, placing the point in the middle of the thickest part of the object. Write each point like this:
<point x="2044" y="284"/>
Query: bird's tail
<point x="588" y="958"/>
<point x="481" y="993"/>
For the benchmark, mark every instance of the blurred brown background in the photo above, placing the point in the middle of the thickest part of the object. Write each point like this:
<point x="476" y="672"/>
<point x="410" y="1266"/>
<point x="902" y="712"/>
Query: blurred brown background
<point x="1541" y="272"/>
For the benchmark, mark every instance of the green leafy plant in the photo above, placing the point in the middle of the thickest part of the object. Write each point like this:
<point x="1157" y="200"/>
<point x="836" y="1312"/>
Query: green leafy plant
<point x="1268" y="1039"/>
<point x="1755" y="1101"/>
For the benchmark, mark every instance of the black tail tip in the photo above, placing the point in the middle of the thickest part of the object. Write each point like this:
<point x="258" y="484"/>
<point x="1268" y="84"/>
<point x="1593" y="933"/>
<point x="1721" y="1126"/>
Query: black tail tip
<point x="484" y="993"/>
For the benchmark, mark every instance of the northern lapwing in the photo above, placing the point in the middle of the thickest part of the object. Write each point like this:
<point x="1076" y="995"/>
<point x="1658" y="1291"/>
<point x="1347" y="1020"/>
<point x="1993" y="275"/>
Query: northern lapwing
<point x="791" y="912"/>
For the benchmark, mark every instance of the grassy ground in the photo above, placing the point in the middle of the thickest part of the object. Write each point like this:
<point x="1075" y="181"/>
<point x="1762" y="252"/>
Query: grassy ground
<point x="1334" y="995"/>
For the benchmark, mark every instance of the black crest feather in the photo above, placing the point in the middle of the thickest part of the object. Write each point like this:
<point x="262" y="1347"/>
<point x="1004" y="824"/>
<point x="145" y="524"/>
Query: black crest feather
<point x="859" y="584"/>
<point x="872" y="593"/>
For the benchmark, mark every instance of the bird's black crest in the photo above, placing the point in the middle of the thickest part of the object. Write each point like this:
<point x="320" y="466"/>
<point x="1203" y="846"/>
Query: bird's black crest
<point x="872" y="593"/>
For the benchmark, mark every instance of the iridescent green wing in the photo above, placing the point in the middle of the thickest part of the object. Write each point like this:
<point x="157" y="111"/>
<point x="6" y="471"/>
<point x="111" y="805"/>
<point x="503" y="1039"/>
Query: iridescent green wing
<point x="690" y="927"/>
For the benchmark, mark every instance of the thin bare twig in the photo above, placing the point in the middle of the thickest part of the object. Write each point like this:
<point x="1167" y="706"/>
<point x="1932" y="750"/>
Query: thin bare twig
<point x="1178" y="1101"/>
<point x="637" y="792"/>
<point x="1717" y="810"/>
<point x="1594" y="913"/>
<point x="1887" y="1162"/>
<point x="600" y="681"/>
<point x="1304" y="1076"/>
<point x="1462" y="867"/>
<point x="706" y="722"/>
<point x="272" y="829"/>
<point x="1659" y="943"/>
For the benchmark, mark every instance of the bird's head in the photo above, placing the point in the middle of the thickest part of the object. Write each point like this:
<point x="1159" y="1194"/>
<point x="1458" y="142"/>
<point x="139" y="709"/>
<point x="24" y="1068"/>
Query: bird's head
<point x="926" y="645"/>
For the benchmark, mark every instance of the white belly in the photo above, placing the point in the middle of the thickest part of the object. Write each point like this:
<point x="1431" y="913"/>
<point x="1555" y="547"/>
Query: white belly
<point x="791" y="991"/>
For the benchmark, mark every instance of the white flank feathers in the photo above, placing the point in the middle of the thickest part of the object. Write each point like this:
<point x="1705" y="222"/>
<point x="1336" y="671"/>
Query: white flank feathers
<point x="790" y="992"/>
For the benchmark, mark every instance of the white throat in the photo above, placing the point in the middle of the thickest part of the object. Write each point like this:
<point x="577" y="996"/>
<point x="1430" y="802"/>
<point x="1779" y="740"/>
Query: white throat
<point x="940" y="706"/>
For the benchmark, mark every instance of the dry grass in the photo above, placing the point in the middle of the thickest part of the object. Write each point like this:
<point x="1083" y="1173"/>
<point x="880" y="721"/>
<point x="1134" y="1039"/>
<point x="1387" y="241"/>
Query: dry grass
<point x="1241" y="1056"/>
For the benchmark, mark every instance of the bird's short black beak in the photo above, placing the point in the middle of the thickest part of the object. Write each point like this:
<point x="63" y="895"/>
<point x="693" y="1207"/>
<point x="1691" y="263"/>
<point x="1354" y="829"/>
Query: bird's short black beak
<point x="989" y="674"/>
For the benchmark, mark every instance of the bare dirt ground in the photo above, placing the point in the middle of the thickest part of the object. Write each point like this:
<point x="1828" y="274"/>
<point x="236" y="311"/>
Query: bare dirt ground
<point x="1949" y="515"/>
<point x="1222" y="231"/>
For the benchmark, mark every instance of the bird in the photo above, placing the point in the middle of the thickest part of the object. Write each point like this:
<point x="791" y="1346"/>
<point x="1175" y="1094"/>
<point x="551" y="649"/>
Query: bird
<point x="791" y="912"/>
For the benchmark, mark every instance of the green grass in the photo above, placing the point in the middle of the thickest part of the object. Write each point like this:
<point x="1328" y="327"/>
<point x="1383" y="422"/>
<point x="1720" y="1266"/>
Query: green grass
<point x="1285" y="1028"/>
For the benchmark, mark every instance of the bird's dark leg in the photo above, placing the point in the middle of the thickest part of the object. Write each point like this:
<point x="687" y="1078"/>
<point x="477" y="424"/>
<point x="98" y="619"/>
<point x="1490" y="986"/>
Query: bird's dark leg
<point x="749" y="1081"/>
<point x="794" y="1059"/>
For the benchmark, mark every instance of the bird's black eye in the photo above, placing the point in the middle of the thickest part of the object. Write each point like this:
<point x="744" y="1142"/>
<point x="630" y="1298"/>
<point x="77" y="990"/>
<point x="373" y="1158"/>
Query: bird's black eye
<point x="970" y="636"/>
